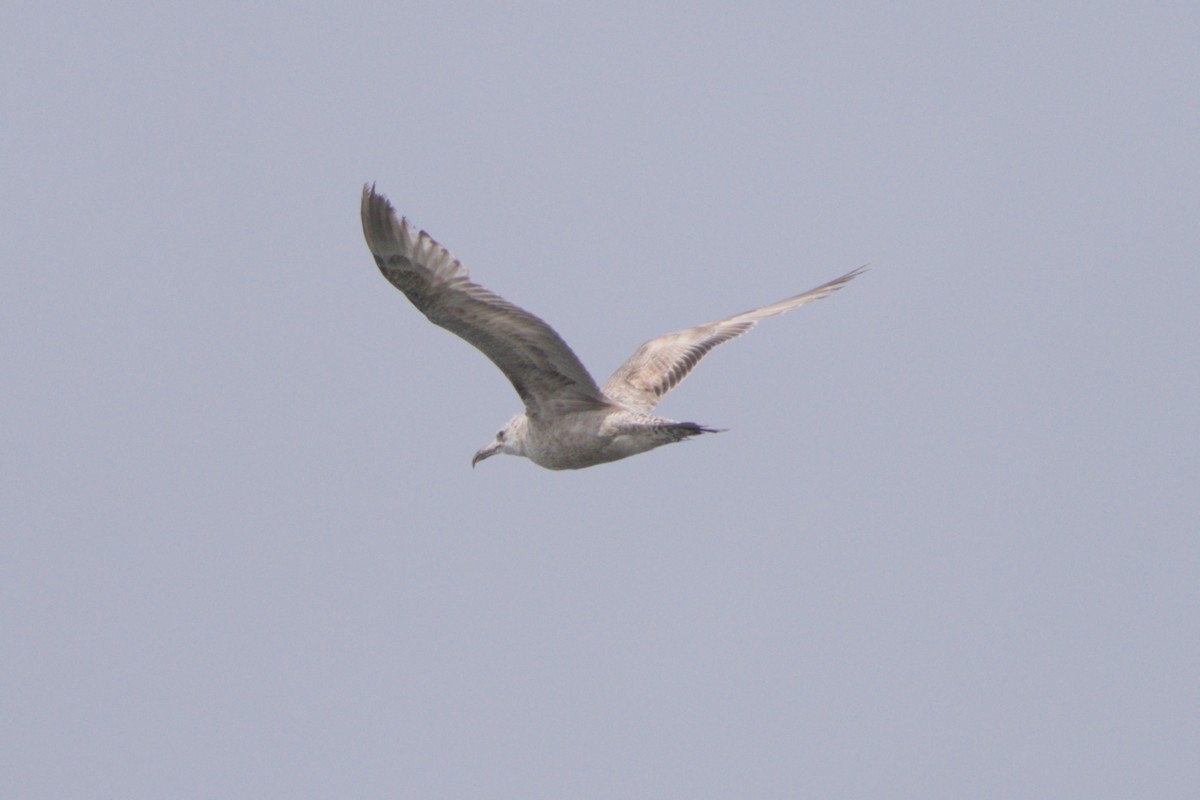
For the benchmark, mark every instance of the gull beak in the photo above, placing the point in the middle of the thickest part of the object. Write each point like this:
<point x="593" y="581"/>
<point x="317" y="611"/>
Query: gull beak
<point x="487" y="452"/>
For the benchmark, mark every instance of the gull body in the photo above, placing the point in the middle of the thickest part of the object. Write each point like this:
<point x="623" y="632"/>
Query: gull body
<point x="569" y="422"/>
<point x="587" y="437"/>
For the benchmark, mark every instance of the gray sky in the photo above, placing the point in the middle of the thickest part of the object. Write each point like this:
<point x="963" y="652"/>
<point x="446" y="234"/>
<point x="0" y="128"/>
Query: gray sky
<point x="948" y="548"/>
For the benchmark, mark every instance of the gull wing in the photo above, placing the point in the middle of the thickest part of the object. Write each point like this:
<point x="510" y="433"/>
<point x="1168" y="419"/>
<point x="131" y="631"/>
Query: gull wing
<point x="661" y="364"/>
<point x="547" y="375"/>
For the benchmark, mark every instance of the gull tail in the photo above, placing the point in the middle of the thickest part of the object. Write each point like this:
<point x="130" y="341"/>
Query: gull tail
<point x="684" y="430"/>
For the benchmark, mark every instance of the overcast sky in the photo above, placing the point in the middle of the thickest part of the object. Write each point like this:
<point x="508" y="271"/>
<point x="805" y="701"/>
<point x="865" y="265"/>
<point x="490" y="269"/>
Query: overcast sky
<point x="949" y="548"/>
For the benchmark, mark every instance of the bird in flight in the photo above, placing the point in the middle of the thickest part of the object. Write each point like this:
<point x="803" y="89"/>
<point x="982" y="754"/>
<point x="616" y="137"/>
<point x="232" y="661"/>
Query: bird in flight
<point x="569" y="422"/>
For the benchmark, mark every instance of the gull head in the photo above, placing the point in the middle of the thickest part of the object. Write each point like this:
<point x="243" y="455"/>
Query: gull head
<point x="510" y="439"/>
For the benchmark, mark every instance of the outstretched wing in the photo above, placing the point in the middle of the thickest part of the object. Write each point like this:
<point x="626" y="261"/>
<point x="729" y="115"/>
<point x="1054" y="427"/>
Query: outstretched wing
<point x="661" y="364"/>
<point x="549" y="377"/>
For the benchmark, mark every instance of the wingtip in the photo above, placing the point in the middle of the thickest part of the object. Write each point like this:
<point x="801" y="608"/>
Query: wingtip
<point x="370" y="195"/>
<point x="854" y="273"/>
<point x="380" y="226"/>
<point x="838" y="283"/>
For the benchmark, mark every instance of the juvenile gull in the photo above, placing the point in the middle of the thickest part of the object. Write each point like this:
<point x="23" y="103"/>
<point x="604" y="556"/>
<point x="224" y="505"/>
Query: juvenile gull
<point x="569" y="422"/>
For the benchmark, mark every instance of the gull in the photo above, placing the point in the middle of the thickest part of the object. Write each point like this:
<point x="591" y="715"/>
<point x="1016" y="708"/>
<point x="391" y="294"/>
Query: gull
<point x="569" y="422"/>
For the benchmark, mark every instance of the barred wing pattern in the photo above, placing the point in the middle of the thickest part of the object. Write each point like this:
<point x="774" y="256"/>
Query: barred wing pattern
<point x="547" y="375"/>
<point x="661" y="364"/>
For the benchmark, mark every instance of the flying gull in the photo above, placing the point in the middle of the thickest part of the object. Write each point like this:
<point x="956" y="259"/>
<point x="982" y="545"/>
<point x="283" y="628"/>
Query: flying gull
<point x="569" y="422"/>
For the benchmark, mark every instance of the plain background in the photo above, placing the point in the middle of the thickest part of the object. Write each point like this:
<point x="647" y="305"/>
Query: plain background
<point x="948" y="549"/>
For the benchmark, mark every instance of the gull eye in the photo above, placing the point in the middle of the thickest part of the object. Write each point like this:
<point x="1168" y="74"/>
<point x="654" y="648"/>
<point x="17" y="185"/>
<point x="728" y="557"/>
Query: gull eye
<point x="500" y="435"/>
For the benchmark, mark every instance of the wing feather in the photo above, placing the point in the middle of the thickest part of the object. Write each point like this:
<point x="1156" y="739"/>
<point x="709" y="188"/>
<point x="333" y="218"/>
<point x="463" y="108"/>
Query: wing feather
<point x="661" y="364"/>
<point x="547" y="375"/>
